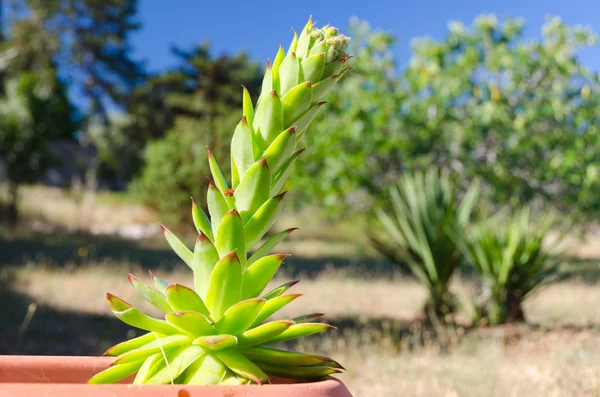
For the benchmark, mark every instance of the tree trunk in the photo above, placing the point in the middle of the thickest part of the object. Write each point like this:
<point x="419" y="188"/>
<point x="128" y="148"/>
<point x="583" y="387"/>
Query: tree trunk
<point x="514" y="312"/>
<point x="439" y="305"/>
<point x="507" y="311"/>
<point x="12" y="211"/>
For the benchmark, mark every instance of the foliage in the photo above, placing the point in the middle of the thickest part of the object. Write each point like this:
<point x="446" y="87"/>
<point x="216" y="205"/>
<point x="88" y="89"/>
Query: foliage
<point x="216" y="332"/>
<point x="510" y="256"/>
<point x="427" y="211"/>
<point x="363" y="124"/>
<point x="32" y="113"/>
<point x="174" y="168"/>
<point x="520" y="114"/>
<point x="194" y="103"/>
<point x="92" y="46"/>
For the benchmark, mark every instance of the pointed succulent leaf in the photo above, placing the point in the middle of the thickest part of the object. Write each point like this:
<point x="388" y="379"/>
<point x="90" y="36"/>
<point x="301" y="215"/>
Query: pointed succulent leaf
<point x="131" y="344"/>
<point x="225" y="285"/>
<point x="288" y="358"/>
<point x="311" y="372"/>
<point x="257" y="276"/>
<point x="217" y="206"/>
<point x="253" y="190"/>
<point x="268" y="245"/>
<point x="304" y="39"/>
<point x="242" y="155"/>
<point x="268" y="119"/>
<point x="215" y="342"/>
<point x="242" y="366"/>
<point x="319" y="47"/>
<point x="248" y="108"/>
<point x="114" y="373"/>
<point x="192" y="323"/>
<point x="206" y="370"/>
<point x="149" y="294"/>
<point x="151" y="365"/>
<point x="132" y="316"/>
<point x="231" y="379"/>
<point x="278" y="183"/>
<point x="300" y="330"/>
<point x="263" y="219"/>
<point x="231" y="236"/>
<point x="201" y="221"/>
<point x="219" y="178"/>
<point x="333" y="68"/>
<point x="165" y="343"/>
<point x="307" y="318"/>
<point x="296" y="102"/>
<point x="267" y="83"/>
<point x="176" y="365"/>
<point x="304" y="121"/>
<point x="235" y="175"/>
<point x="323" y="87"/>
<point x="263" y="333"/>
<point x="312" y="67"/>
<point x="272" y="306"/>
<point x="160" y="284"/>
<point x="178" y="246"/>
<point x="240" y="316"/>
<point x="184" y="298"/>
<point x="289" y="73"/>
<point x="205" y="259"/>
<point x="279" y="151"/>
<point x="293" y="44"/>
<point x="280" y="290"/>
<point x="276" y="64"/>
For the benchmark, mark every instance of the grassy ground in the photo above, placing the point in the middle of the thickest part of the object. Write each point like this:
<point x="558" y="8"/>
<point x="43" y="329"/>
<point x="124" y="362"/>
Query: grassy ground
<point x="52" y="290"/>
<point x="378" y="339"/>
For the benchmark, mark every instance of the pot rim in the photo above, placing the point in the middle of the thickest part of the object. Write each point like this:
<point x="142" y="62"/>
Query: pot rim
<point x="36" y="373"/>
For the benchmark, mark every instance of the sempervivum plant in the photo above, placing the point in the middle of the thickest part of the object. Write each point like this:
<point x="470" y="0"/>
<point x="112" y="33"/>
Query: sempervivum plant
<point x="217" y="331"/>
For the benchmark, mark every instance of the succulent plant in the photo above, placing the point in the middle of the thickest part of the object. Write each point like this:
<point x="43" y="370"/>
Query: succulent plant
<point x="426" y="212"/>
<point x="216" y="332"/>
<point x="508" y="252"/>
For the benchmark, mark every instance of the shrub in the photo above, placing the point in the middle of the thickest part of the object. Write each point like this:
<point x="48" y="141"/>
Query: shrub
<point x="427" y="210"/>
<point x="175" y="169"/>
<point x="509" y="255"/>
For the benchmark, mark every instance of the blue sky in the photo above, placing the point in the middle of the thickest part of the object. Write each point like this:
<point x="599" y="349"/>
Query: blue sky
<point x="259" y="26"/>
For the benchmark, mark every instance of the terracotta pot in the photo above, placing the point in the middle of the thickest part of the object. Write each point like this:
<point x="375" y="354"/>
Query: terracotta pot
<point x="53" y="376"/>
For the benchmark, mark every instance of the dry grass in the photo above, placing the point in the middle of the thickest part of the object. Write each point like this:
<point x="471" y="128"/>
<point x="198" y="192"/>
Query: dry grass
<point x="511" y="361"/>
<point x="551" y="364"/>
<point x="557" y="356"/>
<point x="570" y="303"/>
<point x="80" y="210"/>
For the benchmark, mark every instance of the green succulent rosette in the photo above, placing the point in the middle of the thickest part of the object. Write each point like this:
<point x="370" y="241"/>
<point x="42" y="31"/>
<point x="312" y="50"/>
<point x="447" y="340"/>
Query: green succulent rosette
<point x="218" y="331"/>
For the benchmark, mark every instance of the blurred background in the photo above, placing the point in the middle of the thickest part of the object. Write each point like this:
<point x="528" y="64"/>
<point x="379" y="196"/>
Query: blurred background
<point x="448" y="201"/>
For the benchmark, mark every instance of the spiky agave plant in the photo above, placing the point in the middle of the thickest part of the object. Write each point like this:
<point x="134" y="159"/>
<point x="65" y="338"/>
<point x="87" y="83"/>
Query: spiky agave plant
<point x="509" y="254"/>
<point x="427" y="211"/>
<point x="217" y="332"/>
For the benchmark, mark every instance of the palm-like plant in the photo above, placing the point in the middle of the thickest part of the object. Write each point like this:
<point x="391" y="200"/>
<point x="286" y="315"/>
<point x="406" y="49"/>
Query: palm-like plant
<point x="512" y="261"/>
<point x="427" y="211"/>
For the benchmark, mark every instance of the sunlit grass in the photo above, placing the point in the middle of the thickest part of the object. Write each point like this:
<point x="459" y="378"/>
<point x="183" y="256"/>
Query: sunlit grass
<point x="382" y="359"/>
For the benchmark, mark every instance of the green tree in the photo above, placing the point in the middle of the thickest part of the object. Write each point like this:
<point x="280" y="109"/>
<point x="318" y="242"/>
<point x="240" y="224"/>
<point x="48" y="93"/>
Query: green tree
<point x="32" y="113"/>
<point x="34" y="106"/>
<point x="195" y="105"/>
<point x="363" y="121"/>
<point x="520" y="114"/>
<point x="94" y="48"/>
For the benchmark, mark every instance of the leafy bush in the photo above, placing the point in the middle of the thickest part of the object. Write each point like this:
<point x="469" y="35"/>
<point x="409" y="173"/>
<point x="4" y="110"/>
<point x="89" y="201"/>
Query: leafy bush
<point x="427" y="211"/>
<point x="512" y="261"/>
<point x="33" y="113"/>
<point x="175" y="169"/>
